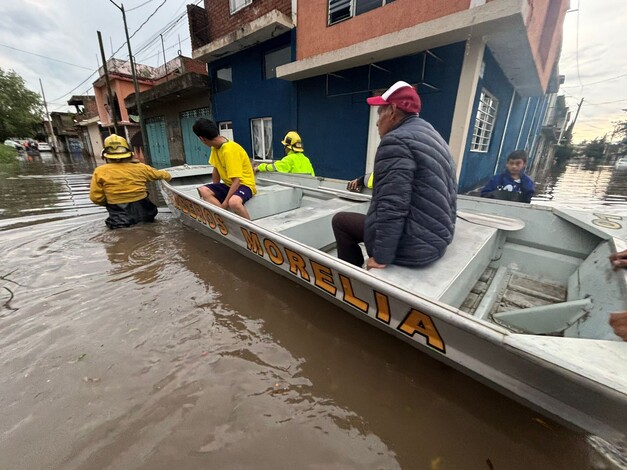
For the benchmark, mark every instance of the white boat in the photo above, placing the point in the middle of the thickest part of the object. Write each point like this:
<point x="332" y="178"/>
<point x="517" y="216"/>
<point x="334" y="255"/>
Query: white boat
<point x="520" y="301"/>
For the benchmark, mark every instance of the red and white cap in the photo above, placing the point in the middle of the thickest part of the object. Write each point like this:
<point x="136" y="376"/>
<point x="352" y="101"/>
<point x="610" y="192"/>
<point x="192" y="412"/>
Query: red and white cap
<point x="402" y="94"/>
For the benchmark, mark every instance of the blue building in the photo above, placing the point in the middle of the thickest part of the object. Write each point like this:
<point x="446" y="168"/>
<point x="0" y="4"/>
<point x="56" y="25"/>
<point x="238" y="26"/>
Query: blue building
<point x="483" y="70"/>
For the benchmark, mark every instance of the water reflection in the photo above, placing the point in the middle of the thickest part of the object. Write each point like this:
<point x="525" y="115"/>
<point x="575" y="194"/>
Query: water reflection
<point x="36" y="189"/>
<point x="154" y="347"/>
<point x="584" y="183"/>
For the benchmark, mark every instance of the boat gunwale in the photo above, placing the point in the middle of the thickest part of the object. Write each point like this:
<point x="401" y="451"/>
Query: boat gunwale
<point x="449" y="314"/>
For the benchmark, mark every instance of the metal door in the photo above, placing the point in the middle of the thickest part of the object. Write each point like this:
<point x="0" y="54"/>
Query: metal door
<point x="158" y="142"/>
<point x="196" y="153"/>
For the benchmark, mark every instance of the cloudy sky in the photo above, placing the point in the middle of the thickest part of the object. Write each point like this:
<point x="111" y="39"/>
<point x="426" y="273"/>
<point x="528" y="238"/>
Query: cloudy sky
<point x="593" y="57"/>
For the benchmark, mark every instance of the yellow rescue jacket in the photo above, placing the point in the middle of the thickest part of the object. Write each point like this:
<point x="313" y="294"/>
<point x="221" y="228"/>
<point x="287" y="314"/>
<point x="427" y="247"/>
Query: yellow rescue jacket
<point x="119" y="183"/>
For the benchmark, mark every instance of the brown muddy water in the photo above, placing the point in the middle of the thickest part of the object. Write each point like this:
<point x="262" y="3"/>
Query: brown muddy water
<point x="157" y="348"/>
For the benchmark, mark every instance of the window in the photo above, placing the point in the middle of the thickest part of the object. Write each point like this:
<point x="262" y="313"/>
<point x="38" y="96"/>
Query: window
<point x="340" y="10"/>
<point x="223" y="79"/>
<point x="273" y="59"/>
<point x="226" y="129"/>
<point x="484" y="122"/>
<point x="237" y="5"/>
<point x="261" y="131"/>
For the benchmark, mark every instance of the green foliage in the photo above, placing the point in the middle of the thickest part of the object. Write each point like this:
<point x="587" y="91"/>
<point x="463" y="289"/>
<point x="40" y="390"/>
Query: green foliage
<point x="563" y="152"/>
<point x="595" y="148"/>
<point x="20" y="108"/>
<point x="620" y="129"/>
<point x="7" y="154"/>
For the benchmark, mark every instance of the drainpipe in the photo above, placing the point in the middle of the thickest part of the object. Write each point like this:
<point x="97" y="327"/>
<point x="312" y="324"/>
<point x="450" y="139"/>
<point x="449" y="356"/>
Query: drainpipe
<point x="509" y="113"/>
<point x="533" y="118"/>
<point x="522" y="125"/>
<point x="535" y="137"/>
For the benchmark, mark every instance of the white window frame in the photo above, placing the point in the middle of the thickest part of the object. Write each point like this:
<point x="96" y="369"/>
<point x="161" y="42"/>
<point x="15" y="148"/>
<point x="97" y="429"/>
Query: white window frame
<point x="237" y="5"/>
<point x="266" y="147"/>
<point x="485" y="120"/>
<point x="226" y="129"/>
<point x="352" y="7"/>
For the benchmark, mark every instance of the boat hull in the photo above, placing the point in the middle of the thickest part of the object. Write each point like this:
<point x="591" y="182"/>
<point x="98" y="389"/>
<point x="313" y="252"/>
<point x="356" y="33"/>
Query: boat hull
<point x="485" y="351"/>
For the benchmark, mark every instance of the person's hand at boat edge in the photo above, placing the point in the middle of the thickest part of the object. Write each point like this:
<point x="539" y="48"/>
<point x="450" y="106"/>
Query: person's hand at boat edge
<point x="356" y="185"/>
<point x="372" y="264"/>
<point x="618" y="320"/>
<point x="619" y="260"/>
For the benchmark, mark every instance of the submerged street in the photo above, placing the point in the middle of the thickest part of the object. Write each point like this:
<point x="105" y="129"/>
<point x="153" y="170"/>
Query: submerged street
<point x="155" y="347"/>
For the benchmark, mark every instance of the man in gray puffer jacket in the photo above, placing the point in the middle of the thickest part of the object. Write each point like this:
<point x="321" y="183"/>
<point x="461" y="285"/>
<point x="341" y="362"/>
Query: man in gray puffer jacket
<point x="411" y="219"/>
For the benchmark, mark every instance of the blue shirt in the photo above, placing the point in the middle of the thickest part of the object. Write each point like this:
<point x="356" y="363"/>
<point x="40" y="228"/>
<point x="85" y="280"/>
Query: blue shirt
<point x="504" y="187"/>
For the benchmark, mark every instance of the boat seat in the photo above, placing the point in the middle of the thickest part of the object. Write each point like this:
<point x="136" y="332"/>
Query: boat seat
<point x="274" y="199"/>
<point x="311" y="224"/>
<point x="268" y="201"/>
<point x="452" y="277"/>
<point x="545" y="319"/>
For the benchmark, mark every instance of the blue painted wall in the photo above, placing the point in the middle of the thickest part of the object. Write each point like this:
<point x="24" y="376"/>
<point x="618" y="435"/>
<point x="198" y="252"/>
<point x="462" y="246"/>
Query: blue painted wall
<point x="524" y="124"/>
<point x="251" y="96"/>
<point x="479" y="166"/>
<point x="334" y="122"/>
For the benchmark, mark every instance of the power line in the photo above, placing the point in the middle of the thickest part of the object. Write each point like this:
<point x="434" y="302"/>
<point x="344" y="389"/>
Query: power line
<point x="168" y="25"/>
<point x="607" y="102"/>
<point x="139" y="6"/>
<point x="44" y="57"/>
<point x="600" y="81"/>
<point x="147" y="19"/>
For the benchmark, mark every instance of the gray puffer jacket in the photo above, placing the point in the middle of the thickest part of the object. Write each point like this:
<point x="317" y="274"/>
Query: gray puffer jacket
<point x="411" y="219"/>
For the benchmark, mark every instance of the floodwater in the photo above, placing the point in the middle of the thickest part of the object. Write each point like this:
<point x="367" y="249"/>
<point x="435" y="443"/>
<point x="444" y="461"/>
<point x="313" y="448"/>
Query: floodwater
<point x="157" y="348"/>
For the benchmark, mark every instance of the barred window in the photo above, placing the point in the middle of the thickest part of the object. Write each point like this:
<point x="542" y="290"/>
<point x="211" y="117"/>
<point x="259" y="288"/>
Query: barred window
<point x="484" y="122"/>
<point x="340" y="10"/>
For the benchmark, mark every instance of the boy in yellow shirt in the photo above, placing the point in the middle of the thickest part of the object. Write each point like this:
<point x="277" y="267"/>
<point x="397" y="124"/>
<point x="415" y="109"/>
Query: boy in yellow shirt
<point x="120" y="185"/>
<point x="233" y="179"/>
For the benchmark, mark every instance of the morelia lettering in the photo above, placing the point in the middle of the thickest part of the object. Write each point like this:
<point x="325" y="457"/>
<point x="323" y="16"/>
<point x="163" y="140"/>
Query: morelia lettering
<point x="414" y="322"/>
<point x="199" y="213"/>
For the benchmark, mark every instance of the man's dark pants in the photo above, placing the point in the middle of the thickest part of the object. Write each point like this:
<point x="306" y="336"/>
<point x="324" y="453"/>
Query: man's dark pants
<point x="348" y="228"/>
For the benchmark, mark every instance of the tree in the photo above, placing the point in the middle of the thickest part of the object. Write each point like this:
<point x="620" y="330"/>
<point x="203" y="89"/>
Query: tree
<point x="595" y="148"/>
<point x="20" y="108"/>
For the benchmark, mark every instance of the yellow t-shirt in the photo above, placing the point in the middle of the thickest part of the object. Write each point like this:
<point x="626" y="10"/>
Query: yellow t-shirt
<point x="232" y="161"/>
<point x="120" y="183"/>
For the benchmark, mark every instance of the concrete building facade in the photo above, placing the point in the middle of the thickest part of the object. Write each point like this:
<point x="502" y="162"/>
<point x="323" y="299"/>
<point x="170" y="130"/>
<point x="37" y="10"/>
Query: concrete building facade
<point x="482" y="68"/>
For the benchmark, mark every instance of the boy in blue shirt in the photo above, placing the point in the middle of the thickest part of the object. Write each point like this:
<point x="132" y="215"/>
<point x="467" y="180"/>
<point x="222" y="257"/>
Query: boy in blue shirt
<point x="513" y="184"/>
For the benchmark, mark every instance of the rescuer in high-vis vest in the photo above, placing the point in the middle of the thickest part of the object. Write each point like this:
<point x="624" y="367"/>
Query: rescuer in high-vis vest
<point x="294" y="161"/>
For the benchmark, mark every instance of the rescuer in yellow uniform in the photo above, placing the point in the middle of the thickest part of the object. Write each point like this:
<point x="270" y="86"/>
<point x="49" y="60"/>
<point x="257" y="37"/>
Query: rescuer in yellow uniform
<point x="120" y="185"/>
<point x="294" y="161"/>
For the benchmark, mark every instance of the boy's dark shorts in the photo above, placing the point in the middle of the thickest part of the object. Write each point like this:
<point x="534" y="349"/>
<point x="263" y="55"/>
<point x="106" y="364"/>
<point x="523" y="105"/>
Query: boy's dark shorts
<point x="220" y="190"/>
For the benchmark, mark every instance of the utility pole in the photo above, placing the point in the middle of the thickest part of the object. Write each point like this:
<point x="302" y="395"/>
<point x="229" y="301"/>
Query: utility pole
<point x="135" y="84"/>
<point x="106" y="72"/>
<point x="165" y="64"/>
<point x="572" y="125"/>
<point x="54" y="138"/>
